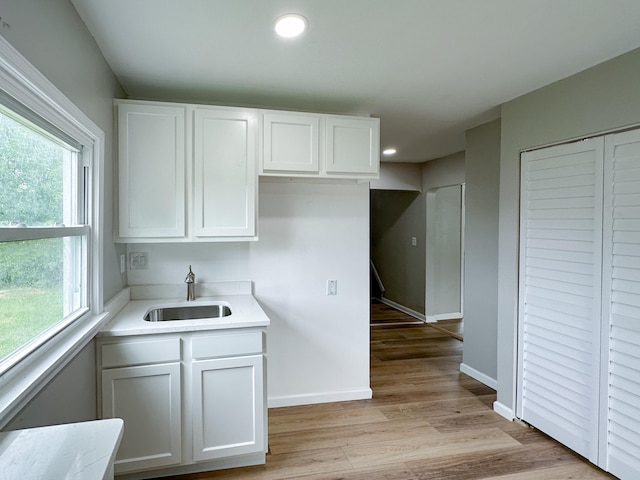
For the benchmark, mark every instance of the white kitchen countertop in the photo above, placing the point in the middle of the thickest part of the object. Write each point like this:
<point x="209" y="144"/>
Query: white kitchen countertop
<point x="245" y="312"/>
<point x="75" y="451"/>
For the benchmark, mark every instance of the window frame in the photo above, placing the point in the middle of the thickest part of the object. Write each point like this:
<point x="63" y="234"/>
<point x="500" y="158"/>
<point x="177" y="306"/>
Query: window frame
<point x="25" y="378"/>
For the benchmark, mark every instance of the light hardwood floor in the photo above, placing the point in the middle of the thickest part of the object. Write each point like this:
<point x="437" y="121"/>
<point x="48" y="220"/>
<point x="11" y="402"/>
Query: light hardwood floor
<point x="426" y="420"/>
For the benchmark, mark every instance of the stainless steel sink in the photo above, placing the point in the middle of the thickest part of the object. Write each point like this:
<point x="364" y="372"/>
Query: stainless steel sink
<point x="187" y="312"/>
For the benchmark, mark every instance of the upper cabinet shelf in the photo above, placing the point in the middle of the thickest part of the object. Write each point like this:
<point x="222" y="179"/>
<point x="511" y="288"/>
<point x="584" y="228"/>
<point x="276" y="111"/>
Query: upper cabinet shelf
<point x="189" y="173"/>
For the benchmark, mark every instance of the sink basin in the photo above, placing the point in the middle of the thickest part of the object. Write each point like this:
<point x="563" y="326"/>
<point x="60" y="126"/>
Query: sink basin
<point x="187" y="312"/>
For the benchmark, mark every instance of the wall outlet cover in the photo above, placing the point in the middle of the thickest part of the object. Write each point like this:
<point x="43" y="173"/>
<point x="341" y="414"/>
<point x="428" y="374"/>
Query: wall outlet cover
<point x="138" y="261"/>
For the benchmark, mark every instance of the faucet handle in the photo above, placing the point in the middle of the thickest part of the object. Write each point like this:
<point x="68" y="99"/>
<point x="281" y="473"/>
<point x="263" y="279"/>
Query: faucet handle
<point x="191" y="277"/>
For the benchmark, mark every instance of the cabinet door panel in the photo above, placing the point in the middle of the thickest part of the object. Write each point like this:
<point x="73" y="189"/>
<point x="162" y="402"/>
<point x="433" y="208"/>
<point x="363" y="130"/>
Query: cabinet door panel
<point x="225" y="173"/>
<point x="352" y="145"/>
<point x="291" y="142"/>
<point x="228" y="407"/>
<point x="147" y="398"/>
<point x="151" y="171"/>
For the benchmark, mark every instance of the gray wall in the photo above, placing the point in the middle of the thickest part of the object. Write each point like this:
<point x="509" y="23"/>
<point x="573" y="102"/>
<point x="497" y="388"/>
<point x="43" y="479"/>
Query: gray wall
<point x="396" y="216"/>
<point x="482" y="172"/>
<point x="51" y="36"/>
<point x="600" y="99"/>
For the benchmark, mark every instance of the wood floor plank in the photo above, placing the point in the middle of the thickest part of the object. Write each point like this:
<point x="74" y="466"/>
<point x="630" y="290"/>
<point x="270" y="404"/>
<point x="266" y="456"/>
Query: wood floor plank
<point x="428" y="446"/>
<point x="563" y="472"/>
<point x="491" y="463"/>
<point x="313" y="420"/>
<point x="348" y="435"/>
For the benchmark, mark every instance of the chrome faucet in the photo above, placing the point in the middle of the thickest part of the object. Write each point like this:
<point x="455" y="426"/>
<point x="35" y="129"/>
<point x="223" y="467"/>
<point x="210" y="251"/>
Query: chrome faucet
<point x="191" y="287"/>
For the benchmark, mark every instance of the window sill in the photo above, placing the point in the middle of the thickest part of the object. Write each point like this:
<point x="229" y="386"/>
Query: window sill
<point x="23" y="382"/>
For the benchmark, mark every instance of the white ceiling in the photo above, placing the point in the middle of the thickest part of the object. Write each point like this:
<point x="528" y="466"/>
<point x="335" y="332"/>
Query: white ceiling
<point x="429" y="69"/>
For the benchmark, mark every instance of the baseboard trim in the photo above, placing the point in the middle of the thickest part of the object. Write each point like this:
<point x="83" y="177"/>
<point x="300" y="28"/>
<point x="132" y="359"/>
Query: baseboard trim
<point x="404" y="309"/>
<point x="504" y="411"/>
<point x="328" y="397"/>
<point x="479" y="376"/>
<point x="444" y="316"/>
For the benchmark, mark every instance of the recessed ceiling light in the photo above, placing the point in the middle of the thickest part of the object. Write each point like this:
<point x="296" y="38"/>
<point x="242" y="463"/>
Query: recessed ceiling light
<point x="389" y="151"/>
<point x="290" y="25"/>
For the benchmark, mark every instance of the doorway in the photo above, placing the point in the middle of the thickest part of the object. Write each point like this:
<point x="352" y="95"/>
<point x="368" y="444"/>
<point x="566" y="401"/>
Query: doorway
<point x="444" y="253"/>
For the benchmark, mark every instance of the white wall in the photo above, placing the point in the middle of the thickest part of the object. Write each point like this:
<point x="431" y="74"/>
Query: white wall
<point x="603" y="98"/>
<point x="51" y="36"/>
<point x="318" y="345"/>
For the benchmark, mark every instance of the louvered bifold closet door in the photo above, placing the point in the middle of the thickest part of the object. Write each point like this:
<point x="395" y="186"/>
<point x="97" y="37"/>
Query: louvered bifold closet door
<point x="560" y="291"/>
<point x="620" y="427"/>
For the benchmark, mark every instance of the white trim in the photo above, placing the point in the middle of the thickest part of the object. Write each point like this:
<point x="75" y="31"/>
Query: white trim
<point x="403" y="309"/>
<point x="504" y="411"/>
<point x="26" y="84"/>
<point x="479" y="376"/>
<point x="444" y="316"/>
<point x="321" y="397"/>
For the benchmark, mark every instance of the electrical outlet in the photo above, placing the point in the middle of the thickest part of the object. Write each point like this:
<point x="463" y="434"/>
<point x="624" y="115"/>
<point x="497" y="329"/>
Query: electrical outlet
<point x="414" y="241"/>
<point x="123" y="263"/>
<point x="332" y="287"/>
<point x="138" y="260"/>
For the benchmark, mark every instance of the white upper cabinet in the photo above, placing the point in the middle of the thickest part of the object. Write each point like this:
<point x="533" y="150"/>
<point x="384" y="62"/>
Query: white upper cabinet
<point x="186" y="172"/>
<point x="291" y="142"/>
<point x="225" y="173"/>
<point x="151" y="147"/>
<point x="189" y="173"/>
<point x="352" y="146"/>
<point x="320" y="146"/>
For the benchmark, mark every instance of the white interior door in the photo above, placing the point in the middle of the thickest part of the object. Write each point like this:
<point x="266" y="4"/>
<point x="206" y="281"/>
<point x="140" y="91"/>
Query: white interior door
<point x="560" y="291"/>
<point x="620" y="427"/>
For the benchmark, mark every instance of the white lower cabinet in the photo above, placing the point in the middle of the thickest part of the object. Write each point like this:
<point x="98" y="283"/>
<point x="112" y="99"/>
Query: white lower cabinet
<point x="207" y="407"/>
<point x="227" y="401"/>
<point x="147" y="398"/>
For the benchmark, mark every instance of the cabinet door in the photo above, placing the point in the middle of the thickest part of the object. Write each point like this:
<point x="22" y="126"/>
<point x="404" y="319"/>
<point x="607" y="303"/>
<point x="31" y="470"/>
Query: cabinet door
<point x="228" y="407"/>
<point x="147" y="398"/>
<point x="291" y="142"/>
<point x="352" y="146"/>
<point x="225" y="173"/>
<point x="151" y="171"/>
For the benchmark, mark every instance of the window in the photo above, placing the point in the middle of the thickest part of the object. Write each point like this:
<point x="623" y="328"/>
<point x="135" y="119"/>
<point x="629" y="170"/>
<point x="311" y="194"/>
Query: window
<point x="44" y="232"/>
